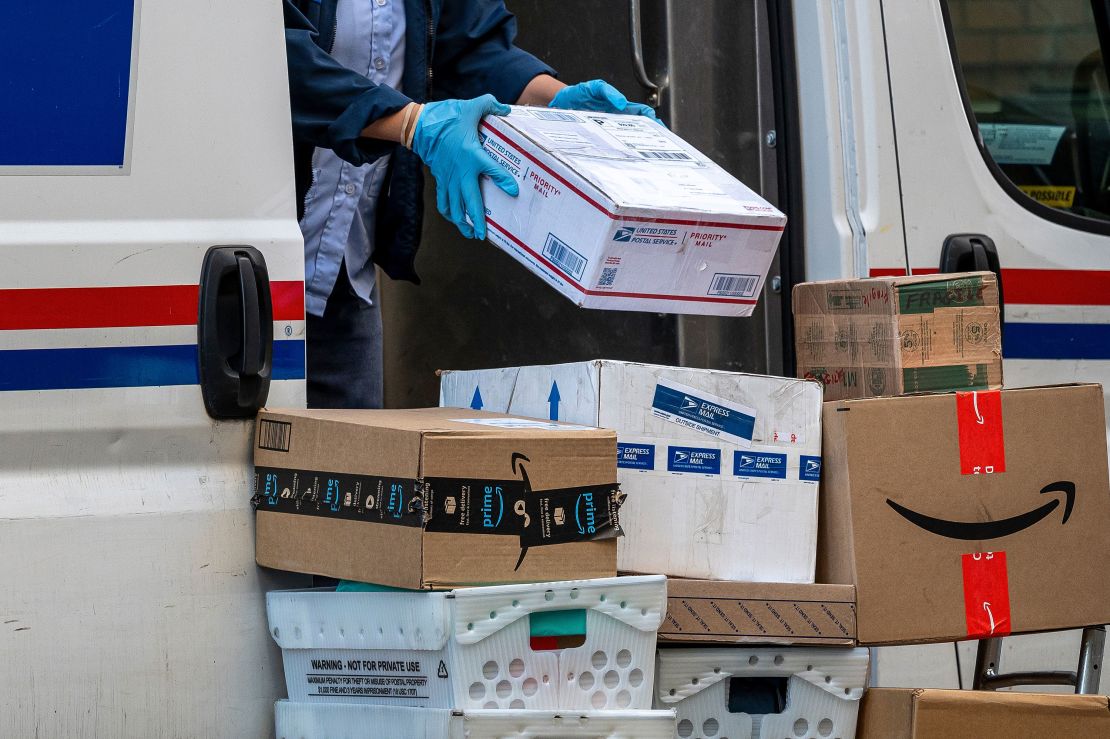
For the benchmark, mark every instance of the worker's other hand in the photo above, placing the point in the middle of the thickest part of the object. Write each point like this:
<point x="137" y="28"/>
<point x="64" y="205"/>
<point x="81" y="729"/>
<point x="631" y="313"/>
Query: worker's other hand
<point x="446" y="139"/>
<point x="598" y="96"/>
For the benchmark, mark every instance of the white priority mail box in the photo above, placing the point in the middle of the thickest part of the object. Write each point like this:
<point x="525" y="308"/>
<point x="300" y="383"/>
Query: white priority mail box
<point x="617" y="212"/>
<point x="720" y="469"/>
<point x="762" y="693"/>
<point x="472" y="648"/>
<point x="349" y="721"/>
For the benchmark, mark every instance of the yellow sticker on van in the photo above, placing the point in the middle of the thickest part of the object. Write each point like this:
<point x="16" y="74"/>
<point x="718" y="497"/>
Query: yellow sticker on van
<point x="1054" y="196"/>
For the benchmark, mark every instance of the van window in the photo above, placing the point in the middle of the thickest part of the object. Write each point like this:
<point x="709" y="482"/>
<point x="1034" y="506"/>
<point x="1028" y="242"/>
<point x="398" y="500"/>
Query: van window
<point x="1036" y="83"/>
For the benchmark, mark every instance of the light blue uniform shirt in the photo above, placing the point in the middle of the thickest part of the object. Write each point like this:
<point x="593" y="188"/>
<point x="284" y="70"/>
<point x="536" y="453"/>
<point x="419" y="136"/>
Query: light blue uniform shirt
<point x="341" y="205"/>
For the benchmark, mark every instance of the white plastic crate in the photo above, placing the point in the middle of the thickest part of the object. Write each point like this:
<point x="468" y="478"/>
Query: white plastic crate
<point x="823" y="690"/>
<point x="348" y="721"/>
<point x="470" y="648"/>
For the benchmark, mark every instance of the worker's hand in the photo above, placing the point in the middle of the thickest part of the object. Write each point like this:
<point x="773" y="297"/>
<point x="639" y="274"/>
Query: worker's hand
<point x="598" y="96"/>
<point x="446" y="139"/>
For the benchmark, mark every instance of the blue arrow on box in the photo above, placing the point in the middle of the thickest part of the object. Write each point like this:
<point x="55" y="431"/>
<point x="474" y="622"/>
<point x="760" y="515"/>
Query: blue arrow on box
<point x="553" y="401"/>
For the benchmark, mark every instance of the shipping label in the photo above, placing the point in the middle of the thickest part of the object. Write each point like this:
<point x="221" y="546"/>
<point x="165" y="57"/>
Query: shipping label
<point x="761" y="465"/>
<point x="635" y="456"/>
<point x="709" y="414"/>
<point x="694" y="459"/>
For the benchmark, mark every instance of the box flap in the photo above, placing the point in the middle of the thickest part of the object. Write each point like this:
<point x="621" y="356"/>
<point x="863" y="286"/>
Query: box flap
<point x="886" y="713"/>
<point x="637" y="601"/>
<point x="325" y="619"/>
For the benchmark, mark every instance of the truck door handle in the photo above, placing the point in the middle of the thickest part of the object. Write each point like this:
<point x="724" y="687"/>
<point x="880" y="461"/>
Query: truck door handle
<point x="234" y="331"/>
<point x="636" y="32"/>
<point x="973" y="253"/>
<point x="250" y="357"/>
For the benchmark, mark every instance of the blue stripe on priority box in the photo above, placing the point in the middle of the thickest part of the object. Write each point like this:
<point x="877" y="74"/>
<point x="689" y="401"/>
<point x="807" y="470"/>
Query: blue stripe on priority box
<point x="703" y="412"/>
<point x="635" y="456"/>
<point x="759" y="464"/>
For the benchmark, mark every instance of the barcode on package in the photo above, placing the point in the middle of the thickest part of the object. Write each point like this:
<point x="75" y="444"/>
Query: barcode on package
<point x="564" y="257"/>
<point x="274" y="435"/>
<point x="608" y="277"/>
<point x="671" y="155"/>
<point x="734" y="286"/>
<point x="555" y="115"/>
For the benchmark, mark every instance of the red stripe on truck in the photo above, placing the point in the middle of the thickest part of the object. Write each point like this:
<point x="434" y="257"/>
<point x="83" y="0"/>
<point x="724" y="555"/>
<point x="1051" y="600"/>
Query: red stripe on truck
<point x="1038" y="286"/>
<point x="123" y="307"/>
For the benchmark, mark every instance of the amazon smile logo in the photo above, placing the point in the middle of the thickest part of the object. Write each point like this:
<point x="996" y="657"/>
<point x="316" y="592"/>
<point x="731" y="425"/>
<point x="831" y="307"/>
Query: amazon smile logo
<point x="980" y="530"/>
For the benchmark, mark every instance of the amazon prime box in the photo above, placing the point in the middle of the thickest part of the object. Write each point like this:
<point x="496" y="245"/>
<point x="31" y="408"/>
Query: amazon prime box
<point x="719" y="470"/>
<point x="434" y="498"/>
<point x="968" y="515"/>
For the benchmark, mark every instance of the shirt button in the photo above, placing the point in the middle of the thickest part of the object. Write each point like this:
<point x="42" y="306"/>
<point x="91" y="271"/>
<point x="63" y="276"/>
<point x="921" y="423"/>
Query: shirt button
<point x="350" y="189"/>
<point x="379" y="63"/>
<point x="381" y="2"/>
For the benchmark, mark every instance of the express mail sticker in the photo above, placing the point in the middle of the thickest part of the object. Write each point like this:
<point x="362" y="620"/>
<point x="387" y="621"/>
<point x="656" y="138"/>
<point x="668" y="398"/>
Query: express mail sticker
<point x="759" y="464"/>
<point x="635" y="456"/>
<point x="694" y="459"/>
<point x="709" y="414"/>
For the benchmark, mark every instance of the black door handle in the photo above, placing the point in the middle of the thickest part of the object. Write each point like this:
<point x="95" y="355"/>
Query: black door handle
<point x="973" y="253"/>
<point x="234" y="331"/>
<point x="251" y="359"/>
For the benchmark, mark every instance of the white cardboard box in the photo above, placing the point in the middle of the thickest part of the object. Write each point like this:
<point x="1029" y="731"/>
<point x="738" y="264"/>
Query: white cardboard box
<point x="617" y="212"/>
<point x="347" y="721"/>
<point x="720" y="469"/>
<point x="470" y="648"/>
<point x="818" y="691"/>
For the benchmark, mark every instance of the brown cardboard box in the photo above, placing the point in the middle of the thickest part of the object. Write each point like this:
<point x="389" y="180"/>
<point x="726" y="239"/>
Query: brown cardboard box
<point x="434" y="498"/>
<point x="722" y="612"/>
<point x="967" y="515"/>
<point x="966" y="714"/>
<point x="895" y="335"/>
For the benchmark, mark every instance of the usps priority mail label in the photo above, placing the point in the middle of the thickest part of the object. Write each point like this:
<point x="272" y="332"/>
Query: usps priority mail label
<point x="709" y="414"/>
<point x="763" y="465"/>
<point x="694" y="459"/>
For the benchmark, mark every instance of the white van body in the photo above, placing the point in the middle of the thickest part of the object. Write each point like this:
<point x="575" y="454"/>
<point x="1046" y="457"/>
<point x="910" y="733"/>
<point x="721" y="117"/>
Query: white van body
<point x="130" y="604"/>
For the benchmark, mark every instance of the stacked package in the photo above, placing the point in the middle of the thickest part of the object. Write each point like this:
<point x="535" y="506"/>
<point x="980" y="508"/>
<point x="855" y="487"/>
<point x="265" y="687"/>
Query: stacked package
<point x="958" y="508"/>
<point x="720" y="472"/>
<point x="458" y="535"/>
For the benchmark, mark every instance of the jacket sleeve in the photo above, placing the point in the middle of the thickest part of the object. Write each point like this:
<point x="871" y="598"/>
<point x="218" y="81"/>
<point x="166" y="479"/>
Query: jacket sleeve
<point x="330" y="103"/>
<point x="475" y="55"/>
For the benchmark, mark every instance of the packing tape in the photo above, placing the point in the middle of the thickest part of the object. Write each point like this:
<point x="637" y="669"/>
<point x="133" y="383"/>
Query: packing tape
<point x="979" y="425"/>
<point x="986" y="594"/>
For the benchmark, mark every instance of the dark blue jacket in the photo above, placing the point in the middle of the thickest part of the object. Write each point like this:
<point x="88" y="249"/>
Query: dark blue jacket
<point x="453" y="49"/>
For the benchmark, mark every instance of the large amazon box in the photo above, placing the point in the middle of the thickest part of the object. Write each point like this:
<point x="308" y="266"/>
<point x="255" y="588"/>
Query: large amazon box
<point x="968" y="515"/>
<point x="719" y="470"/>
<point x="895" y="335"/>
<point x="948" y="714"/>
<point x="434" y="498"/>
<point x="617" y="212"/>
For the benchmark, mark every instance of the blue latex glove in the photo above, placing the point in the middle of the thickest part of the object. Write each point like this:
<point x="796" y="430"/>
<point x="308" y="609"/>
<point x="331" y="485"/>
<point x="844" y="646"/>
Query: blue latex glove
<point x="598" y="96"/>
<point x="446" y="139"/>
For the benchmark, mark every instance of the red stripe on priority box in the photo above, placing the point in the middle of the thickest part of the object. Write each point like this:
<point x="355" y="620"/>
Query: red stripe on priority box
<point x="979" y="423"/>
<point x="986" y="594"/>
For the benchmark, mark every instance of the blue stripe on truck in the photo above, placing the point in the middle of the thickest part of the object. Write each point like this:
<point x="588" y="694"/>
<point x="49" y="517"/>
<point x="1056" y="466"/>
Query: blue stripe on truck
<point x="1056" y="341"/>
<point x="123" y="366"/>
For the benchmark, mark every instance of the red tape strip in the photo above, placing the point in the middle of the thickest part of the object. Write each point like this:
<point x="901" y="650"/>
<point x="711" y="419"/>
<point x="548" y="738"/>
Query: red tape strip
<point x="979" y="423"/>
<point x="986" y="595"/>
